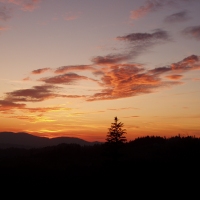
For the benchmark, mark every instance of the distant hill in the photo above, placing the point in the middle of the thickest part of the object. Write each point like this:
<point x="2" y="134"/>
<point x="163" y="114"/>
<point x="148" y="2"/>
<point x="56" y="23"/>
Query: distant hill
<point x="26" y="140"/>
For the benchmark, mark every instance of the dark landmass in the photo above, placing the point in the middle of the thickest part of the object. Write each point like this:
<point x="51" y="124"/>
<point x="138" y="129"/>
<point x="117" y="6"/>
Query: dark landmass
<point x="25" y="140"/>
<point x="144" y="161"/>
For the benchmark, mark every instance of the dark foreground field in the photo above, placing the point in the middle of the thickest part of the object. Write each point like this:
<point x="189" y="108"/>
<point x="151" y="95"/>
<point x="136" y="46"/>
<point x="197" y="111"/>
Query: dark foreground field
<point x="143" y="160"/>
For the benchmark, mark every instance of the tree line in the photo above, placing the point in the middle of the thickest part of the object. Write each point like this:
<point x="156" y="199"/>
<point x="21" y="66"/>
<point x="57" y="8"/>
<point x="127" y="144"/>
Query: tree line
<point x="115" y="156"/>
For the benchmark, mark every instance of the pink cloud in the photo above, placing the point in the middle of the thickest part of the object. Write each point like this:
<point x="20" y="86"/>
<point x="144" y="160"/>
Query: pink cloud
<point x="26" y="79"/>
<point x="71" y="16"/>
<point x="26" y="5"/>
<point x="174" y="77"/>
<point x="154" y="5"/>
<point x="142" y="11"/>
<point x="189" y="63"/>
<point x="149" y="6"/>
<point x="196" y="79"/>
<point x="126" y="82"/>
<point x="122" y="81"/>
<point x="3" y="28"/>
<point x="30" y="5"/>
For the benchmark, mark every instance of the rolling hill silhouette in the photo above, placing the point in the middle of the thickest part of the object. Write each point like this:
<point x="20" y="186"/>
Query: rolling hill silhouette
<point x="26" y="140"/>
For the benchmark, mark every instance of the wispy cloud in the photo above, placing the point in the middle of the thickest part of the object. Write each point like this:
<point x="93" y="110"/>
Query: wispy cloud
<point x="6" y="106"/>
<point x="177" y="17"/>
<point x="72" y="68"/>
<point x="155" y="5"/>
<point x="125" y="80"/>
<point x="146" y="8"/>
<point x="125" y="108"/>
<point x="46" y="109"/>
<point x="68" y="78"/>
<point x="5" y="13"/>
<point x="32" y="118"/>
<point x="193" y="32"/>
<point x="139" y="43"/>
<point x="40" y="71"/>
<point x="122" y="82"/>
<point x="26" y="5"/>
<point x="30" y="5"/>
<point x="196" y="79"/>
<point x="35" y="94"/>
<point x="26" y="78"/>
<point x="3" y="28"/>
<point x="71" y="16"/>
<point x="189" y="63"/>
<point x="134" y="116"/>
<point x="156" y="36"/>
<point x="136" y="43"/>
<point x="110" y="59"/>
<point x="174" y="77"/>
<point x="117" y="77"/>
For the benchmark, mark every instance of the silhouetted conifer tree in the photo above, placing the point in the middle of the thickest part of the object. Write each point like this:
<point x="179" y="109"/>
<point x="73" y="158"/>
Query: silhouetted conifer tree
<point x="116" y="132"/>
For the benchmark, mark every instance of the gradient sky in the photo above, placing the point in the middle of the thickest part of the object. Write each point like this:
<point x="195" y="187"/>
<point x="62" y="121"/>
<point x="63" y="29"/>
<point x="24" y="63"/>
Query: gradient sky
<point x="68" y="67"/>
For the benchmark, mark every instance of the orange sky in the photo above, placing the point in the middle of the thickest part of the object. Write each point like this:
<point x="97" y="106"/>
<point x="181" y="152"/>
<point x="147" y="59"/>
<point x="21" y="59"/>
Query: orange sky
<point x="69" y="67"/>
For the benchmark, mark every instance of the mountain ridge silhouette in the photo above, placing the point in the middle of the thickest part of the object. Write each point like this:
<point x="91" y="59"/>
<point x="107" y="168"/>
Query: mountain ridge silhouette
<point x="27" y="140"/>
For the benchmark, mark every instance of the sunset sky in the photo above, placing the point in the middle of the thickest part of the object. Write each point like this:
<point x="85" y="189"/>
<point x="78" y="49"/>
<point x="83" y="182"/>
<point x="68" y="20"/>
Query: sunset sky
<point x="68" y="67"/>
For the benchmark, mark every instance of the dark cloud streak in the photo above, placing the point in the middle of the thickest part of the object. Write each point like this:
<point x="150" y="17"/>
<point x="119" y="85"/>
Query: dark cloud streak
<point x="157" y="35"/>
<point x="68" y="78"/>
<point x="193" y="32"/>
<point x="7" y="105"/>
<point x="35" y="94"/>
<point x="5" y="13"/>
<point x="177" y="17"/>
<point x="155" y="5"/>
<point x="137" y="44"/>
<point x="189" y="63"/>
<point x="71" y="68"/>
<point x="110" y="59"/>
<point x="40" y="71"/>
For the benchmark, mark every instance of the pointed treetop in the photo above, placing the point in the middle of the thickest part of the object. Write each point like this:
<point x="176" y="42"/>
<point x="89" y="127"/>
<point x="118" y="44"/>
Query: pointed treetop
<point x="116" y="133"/>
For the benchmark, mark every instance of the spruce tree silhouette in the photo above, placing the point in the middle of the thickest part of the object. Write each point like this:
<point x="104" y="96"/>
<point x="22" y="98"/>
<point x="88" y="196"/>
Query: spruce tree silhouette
<point x="115" y="140"/>
<point x="116" y="133"/>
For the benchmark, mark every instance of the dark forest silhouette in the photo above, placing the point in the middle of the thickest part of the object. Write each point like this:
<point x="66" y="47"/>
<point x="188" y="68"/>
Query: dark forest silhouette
<point x="146" y="156"/>
<point x="74" y="161"/>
